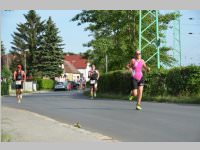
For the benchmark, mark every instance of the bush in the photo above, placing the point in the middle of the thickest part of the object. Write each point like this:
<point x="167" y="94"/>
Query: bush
<point x="183" y="81"/>
<point x="115" y="82"/>
<point x="4" y="88"/>
<point x="119" y="82"/>
<point x="5" y="137"/>
<point x="179" y="81"/>
<point x="155" y="83"/>
<point x="44" y="84"/>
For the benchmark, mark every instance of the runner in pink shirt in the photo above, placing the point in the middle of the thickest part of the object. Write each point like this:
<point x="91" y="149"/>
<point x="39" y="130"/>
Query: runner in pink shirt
<point x="137" y="81"/>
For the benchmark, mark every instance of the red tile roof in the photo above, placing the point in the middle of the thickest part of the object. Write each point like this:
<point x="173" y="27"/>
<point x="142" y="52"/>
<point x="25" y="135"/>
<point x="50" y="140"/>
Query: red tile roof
<point x="69" y="68"/>
<point x="77" y="61"/>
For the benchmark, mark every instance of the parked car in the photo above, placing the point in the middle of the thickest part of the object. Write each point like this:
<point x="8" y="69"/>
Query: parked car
<point x="60" y="86"/>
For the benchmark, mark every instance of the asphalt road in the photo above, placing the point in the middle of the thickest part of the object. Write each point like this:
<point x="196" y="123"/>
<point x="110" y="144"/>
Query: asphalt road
<point x="157" y="122"/>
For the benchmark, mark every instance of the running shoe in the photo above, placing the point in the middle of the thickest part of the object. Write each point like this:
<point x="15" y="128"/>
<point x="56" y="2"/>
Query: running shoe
<point x="138" y="107"/>
<point x="130" y="98"/>
<point x="95" y="95"/>
<point x="19" y="101"/>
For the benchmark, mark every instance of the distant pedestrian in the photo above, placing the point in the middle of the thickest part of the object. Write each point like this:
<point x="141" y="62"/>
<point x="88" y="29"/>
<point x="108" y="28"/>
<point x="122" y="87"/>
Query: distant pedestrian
<point x="78" y="82"/>
<point x="83" y="83"/>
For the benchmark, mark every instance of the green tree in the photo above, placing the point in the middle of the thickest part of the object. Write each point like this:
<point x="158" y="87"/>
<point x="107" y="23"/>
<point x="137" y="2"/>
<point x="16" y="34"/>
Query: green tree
<point x="2" y="53"/>
<point x="6" y="73"/>
<point x="115" y="34"/>
<point x="50" y="54"/>
<point x="28" y="36"/>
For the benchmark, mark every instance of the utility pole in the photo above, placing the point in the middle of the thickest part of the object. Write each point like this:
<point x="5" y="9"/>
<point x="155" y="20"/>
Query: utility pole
<point x="26" y="50"/>
<point x="106" y="63"/>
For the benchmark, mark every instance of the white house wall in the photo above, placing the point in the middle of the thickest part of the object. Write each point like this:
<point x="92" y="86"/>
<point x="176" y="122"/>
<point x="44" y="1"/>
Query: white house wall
<point x="85" y="71"/>
<point x="75" y="77"/>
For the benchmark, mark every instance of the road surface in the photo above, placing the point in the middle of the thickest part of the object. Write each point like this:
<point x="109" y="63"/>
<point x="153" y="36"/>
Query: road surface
<point x="157" y="122"/>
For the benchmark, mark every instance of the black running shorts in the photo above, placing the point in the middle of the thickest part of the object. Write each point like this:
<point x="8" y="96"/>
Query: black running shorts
<point x="135" y="83"/>
<point x="19" y="86"/>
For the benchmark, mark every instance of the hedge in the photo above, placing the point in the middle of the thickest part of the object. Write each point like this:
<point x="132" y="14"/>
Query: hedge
<point x="4" y="88"/>
<point x="184" y="81"/>
<point x="115" y="82"/>
<point x="179" y="81"/>
<point x="45" y="84"/>
<point x="155" y="83"/>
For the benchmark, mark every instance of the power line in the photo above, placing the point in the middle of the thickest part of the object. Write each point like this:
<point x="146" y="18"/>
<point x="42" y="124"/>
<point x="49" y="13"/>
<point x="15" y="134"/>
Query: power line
<point x="191" y="18"/>
<point x="193" y="33"/>
<point x="191" y="24"/>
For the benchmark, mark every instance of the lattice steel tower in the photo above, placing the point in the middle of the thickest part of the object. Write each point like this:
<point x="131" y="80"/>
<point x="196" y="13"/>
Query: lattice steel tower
<point x="144" y="39"/>
<point x="177" y="40"/>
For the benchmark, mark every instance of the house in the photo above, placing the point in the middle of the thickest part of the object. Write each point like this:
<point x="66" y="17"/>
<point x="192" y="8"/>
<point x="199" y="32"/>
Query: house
<point x="6" y="59"/>
<point x="70" y="72"/>
<point x="81" y="64"/>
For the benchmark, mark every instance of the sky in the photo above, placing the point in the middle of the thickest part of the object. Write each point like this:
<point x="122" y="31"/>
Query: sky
<point x="75" y="36"/>
<point x="190" y="43"/>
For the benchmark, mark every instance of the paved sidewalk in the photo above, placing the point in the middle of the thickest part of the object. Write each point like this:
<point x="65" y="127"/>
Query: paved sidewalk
<point x="12" y="93"/>
<point x="25" y="126"/>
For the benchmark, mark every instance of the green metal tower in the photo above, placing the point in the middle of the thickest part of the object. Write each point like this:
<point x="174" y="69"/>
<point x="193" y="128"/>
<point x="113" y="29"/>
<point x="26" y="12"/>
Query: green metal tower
<point x="144" y="40"/>
<point x="177" y="40"/>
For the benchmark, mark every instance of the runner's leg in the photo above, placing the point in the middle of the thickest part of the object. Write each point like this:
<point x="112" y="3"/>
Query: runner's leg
<point x="95" y="89"/>
<point x="91" y="90"/>
<point x="21" y="91"/>
<point x="134" y="87"/>
<point x="134" y="92"/>
<point x="140" y="91"/>
<point x="18" y="95"/>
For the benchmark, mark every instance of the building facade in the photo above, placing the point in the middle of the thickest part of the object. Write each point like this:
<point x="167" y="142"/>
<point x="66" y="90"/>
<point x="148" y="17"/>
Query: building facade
<point x="81" y="64"/>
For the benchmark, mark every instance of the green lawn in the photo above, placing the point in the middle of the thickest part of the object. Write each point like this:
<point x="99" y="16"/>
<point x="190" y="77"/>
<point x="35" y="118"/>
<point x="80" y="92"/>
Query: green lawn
<point x="5" y="137"/>
<point x="161" y="99"/>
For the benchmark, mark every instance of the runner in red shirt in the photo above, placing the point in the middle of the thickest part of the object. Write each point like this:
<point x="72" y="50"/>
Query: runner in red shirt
<point x="19" y="77"/>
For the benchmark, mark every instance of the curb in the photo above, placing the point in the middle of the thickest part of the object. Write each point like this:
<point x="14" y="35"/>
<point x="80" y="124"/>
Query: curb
<point x="29" y="93"/>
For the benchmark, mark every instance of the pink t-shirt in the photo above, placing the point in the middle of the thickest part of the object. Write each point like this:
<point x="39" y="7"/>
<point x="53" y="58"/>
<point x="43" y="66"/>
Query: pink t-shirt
<point x="137" y="69"/>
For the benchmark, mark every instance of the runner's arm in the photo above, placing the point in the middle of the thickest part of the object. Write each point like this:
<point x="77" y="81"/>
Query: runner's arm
<point x="14" y="75"/>
<point x="145" y="66"/>
<point x="89" y="74"/>
<point x="24" y="76"/>
<point x="129" y="65"/>
<point x="98" y="75"/>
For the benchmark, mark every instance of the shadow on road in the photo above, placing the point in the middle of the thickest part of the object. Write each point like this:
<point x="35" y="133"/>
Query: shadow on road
<point x="80" y="108"/>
